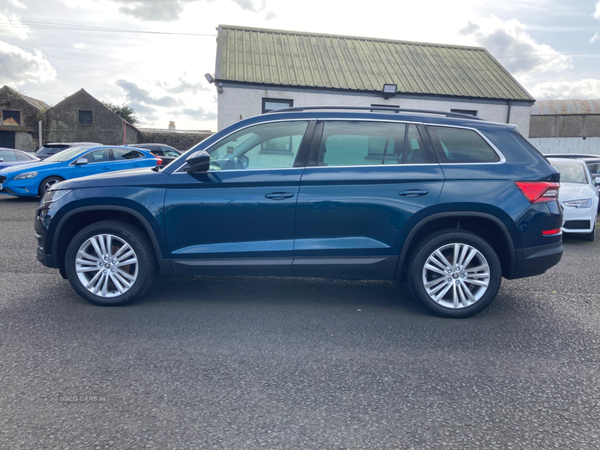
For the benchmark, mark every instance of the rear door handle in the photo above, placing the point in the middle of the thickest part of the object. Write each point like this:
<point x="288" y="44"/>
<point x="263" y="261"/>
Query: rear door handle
<point x="414" y="192"/>
<point x="279" y="195"/>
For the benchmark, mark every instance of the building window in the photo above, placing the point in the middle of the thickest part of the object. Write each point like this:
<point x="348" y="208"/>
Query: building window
<point x="384" y="106"/>
<point x="11" y="118"/>
<point x="85" y="117"/>
<point x="469" y="112"/>
<point x="271" y="104"/>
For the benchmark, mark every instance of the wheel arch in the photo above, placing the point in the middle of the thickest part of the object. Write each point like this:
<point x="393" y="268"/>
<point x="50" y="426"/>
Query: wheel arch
<point x="485" y="225"/>
<point x="77" y="219"/>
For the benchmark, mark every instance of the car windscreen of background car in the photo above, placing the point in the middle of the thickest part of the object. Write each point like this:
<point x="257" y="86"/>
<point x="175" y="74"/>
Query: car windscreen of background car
<point x="66" y="155"/>
<point x="571" y="173"/>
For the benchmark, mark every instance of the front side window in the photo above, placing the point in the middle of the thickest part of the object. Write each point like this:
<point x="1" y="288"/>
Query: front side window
<point x="459" y="145"/>
<point x="355" y="143"/>
<point x="244" y="149"/>
<point x="122" y="154"/>
<point x="100" y="155"/>
<point x="85" y="117"/>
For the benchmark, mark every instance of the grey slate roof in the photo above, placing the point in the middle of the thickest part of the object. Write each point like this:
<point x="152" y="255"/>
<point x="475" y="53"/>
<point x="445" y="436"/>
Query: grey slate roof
<point x="289" y="58"/>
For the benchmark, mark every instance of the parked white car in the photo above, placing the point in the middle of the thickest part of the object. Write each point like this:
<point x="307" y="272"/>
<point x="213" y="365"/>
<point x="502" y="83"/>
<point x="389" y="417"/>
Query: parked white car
<point x="578" y="196"/>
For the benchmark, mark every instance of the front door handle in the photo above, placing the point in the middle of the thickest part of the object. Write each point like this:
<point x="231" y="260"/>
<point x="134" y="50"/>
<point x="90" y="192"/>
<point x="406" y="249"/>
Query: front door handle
<point x="414" y="192"/>
<point x="106" y="168"/>
<point x="279" y="195"/>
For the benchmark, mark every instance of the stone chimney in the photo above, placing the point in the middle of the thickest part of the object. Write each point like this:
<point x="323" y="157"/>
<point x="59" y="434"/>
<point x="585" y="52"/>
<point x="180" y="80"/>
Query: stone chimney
<point x="172" y="125"/>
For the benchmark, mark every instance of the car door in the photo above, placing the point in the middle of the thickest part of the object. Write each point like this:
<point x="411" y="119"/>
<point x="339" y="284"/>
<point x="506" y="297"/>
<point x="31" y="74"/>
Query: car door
<point x="364" y="180"/>
<point x="238" y="218"/>
<point x="98" y="161"/>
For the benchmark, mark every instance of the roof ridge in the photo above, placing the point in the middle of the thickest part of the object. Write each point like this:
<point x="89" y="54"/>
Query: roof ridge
<point x="344" y="36"/>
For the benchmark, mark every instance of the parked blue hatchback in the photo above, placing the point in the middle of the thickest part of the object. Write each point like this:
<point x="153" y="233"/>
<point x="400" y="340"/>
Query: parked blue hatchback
<point x="37" y="177"/>
<point x="447" y="202"/>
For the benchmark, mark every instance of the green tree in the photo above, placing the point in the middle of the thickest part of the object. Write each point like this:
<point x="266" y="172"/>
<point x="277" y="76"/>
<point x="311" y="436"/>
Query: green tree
<point x="124" y="112"/>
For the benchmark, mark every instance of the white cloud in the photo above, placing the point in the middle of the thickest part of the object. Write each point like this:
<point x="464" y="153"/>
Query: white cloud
<point x="514" y="48"/>
<point x="17" y="29"/>
<point x="588" y="88"/>
<point x="19" y="66"/>
<point x="595" y="38"/>
<point x="17" y="3"/>
<point x="81" y="46"/>
<point x="596" y="14"/>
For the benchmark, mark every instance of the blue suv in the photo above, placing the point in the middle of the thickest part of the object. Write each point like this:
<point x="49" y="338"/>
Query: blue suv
<point x="446" y="202"/>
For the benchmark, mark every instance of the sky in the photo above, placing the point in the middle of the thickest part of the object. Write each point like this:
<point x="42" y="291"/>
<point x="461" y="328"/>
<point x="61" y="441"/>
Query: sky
<point x="152" y="54"/>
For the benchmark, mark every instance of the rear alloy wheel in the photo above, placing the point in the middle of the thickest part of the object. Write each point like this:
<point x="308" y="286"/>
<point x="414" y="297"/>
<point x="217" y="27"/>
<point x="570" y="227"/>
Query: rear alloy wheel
<point x="47" y="183"/>
<point x="455" y="274"/>
<point x="110" y="263"/>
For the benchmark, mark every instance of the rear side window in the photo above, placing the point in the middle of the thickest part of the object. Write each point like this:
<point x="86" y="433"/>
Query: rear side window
<point x="457" y="145"/>
<point x="355" y="143"/>
<point x="120" y="154"/>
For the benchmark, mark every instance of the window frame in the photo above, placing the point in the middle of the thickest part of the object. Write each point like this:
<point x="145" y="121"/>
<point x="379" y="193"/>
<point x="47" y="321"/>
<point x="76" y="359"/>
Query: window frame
<point x="110" y="156"/>
<point x="131" y="149"/>
<point x="91" y="117"/>
<point x="12" y="112"/>
<point x="468" y="112"/>
<point x="483" y="136"/>
<point x="288" y="101"/>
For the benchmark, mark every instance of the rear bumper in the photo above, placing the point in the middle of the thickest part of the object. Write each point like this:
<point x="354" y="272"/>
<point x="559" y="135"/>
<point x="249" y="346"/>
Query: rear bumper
<point x="537" y="260"/>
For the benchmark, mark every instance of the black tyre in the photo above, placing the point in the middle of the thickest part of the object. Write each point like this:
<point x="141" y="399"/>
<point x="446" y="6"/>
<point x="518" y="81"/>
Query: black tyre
<point x="455" y="273"/>
<point x="110" y="263"/>
<point x="47" y="184"/>
<point x="590" y="236"/>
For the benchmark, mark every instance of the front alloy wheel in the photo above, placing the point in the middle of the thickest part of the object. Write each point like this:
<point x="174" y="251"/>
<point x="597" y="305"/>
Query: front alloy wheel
<point x="106" y="265"/>
<point x="110" y="263"/>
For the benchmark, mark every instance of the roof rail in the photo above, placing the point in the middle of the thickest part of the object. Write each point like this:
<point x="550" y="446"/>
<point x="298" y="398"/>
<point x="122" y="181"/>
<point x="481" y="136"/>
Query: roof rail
<point x="376" y="108"/>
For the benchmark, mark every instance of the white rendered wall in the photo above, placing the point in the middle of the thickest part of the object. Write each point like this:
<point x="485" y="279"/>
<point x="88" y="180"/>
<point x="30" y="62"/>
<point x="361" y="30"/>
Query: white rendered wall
<point x="567" y="145"/>
<point x="236" y="103"/>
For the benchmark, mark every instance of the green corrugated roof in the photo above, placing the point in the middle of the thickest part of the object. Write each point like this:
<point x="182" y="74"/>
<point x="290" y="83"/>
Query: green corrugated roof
<point x="288" y="58"/>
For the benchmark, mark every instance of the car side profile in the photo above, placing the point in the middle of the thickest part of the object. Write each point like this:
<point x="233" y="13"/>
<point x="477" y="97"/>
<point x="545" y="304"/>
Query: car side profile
<point x="32" y="180"/>
<point x="446" y="202"/>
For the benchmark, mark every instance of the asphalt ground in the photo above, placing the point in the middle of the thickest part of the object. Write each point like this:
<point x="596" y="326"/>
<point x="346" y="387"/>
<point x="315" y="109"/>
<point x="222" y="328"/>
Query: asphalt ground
<point x="282" y="363"/>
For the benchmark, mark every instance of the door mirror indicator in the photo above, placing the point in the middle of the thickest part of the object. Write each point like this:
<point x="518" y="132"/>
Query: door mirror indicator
<point x="81" y="161"/>
<point x="198" y="162"/>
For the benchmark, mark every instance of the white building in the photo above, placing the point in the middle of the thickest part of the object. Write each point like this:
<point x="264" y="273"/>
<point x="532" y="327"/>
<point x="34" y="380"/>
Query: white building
<point x="258" y="70"/>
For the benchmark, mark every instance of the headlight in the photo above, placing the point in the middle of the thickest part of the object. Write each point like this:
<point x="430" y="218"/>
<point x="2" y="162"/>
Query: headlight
<point x="52" y="196"/>
<point x="24" y="176"/>
<point x="583" y="203"/>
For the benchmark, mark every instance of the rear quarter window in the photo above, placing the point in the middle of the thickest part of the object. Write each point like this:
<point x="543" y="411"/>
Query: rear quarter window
<point x="459" y="145"/>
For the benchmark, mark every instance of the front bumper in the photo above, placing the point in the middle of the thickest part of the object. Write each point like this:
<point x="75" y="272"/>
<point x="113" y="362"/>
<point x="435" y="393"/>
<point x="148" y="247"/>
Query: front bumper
<point x="579" y="220"/>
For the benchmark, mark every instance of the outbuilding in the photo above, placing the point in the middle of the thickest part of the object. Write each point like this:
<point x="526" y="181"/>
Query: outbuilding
<point x="259" y="70"/>
<point x="19" y="119"/>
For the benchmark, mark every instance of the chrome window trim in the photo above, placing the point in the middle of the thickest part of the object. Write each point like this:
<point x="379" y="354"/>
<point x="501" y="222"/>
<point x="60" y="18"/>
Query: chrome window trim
<point x="345" y="119"/>
<point x="494" y="148"/>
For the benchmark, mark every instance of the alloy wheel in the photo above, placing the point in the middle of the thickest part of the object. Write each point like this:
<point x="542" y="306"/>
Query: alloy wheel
<point x="106" y="265"/>
<point x="456" y="275"/>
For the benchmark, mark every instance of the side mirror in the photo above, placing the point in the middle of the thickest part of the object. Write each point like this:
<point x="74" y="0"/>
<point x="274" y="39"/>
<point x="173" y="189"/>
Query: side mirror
<point x="597" y="181"/>
<point x="1" y="159"/>
<point x="198" y="162"/>
<point x="81" y="161"/>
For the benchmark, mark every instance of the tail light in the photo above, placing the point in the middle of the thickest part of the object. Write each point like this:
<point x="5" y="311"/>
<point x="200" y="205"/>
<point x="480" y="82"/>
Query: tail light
<point x="158" y="161"/>
<point x="538" y="191"/>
